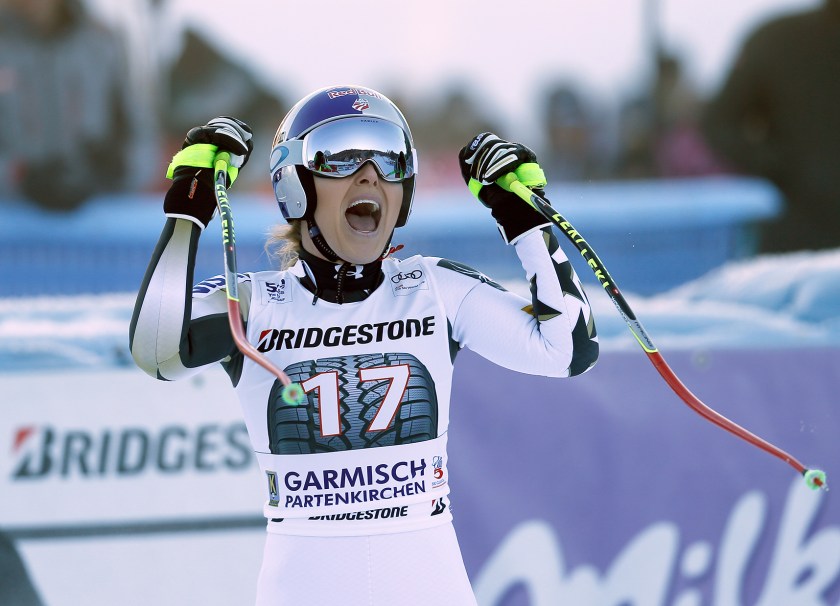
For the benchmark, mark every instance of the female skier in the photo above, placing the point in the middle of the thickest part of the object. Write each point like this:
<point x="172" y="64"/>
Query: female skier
<point x="356" y="475"/>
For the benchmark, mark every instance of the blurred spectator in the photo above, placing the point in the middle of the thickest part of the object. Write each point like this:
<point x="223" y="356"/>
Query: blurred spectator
<point x="659" y="131"/>
<point x="635" y="156"/>
<point x="570" y="152"/>
<point x="64" y="110"/>
<point x="680" y="150"/>
<point x="778" y="116"/>
<point x="204" y="83"/>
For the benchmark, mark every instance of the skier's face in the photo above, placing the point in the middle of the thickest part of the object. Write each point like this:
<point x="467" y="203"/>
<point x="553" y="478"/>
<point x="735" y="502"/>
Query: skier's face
<point x="356" y="214"/>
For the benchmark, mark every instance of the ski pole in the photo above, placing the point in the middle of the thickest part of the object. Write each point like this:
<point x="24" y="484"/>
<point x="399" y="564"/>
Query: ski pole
<point x="292" y="393"/>
<point x="814" y="478"/>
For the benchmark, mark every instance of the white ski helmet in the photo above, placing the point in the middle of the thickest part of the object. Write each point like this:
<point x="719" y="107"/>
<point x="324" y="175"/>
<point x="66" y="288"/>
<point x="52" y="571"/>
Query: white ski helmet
<point x="331" y="133"/>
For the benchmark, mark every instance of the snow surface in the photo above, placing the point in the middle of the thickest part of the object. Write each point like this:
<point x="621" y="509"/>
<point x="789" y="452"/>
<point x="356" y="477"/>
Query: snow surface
<point x="770" y="301"/>
<point x="790" y="300"/>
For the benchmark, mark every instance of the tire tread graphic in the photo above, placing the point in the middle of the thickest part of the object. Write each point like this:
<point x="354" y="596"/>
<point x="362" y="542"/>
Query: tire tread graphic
<point x="297" y="429"/>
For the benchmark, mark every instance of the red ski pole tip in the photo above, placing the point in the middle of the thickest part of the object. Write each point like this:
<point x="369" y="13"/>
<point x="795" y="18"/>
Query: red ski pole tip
<point x="815" y="479"/>
<point x="293" y="394"/>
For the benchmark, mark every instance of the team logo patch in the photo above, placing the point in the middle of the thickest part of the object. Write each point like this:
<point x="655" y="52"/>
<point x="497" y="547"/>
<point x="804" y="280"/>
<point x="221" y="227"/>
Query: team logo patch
<point x="276" y="292"/>
<point x="412" y="275"/>
<point x="273" y="493"/>
<point x="408" y="281"/>
<point x="438" y="473"/>
<point x="361" y="104"/>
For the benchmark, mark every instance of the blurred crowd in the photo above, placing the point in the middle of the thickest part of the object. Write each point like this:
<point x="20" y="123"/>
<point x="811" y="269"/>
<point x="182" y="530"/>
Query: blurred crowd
<point x="67" y="109"/>
<point x="654" y="133"/>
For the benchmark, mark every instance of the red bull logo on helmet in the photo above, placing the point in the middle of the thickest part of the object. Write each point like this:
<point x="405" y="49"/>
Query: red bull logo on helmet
<point x="334" y="94"/>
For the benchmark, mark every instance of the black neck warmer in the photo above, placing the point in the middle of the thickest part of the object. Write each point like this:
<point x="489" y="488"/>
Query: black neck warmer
<point x="339" y="282"/>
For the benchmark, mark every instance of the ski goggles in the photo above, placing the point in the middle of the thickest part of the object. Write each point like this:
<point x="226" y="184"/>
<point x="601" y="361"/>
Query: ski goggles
<point x="340" y="148"/>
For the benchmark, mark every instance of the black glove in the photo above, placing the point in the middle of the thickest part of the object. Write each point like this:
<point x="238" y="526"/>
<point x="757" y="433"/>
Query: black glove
<point x="227" y="134"/>
<point x="191" y="195"/>
<point x="485" y="159"/>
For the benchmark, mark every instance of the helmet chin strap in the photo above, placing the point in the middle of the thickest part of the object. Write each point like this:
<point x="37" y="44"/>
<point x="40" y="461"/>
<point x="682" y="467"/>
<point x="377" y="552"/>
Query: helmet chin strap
<point x="342" y="268"/>
<point x="320" y="243"/>
<point x="325" y="249"/>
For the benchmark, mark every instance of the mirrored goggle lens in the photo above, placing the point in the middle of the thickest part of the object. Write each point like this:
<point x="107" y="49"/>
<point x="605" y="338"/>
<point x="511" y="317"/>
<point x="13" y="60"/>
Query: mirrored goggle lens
<point x="338" y="149"/>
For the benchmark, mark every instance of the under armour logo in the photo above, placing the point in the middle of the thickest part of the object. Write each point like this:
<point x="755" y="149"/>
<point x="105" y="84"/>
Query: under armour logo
<point x="356" y="273"/>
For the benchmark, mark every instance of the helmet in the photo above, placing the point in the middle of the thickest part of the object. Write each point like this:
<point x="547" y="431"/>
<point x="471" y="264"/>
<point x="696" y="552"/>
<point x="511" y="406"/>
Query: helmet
<point x="332" y="132"/>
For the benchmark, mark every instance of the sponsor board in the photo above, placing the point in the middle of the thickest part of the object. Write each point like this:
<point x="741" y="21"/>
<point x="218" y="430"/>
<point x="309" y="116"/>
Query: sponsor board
<point x="805" y="564"/>
<point x="117" y="445"/>
<point x="578" y="491"/>
<point x="614" y="492"/>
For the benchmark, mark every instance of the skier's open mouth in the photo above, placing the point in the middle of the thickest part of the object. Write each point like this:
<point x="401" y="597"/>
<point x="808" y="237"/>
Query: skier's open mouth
<point x="363" y="215"/>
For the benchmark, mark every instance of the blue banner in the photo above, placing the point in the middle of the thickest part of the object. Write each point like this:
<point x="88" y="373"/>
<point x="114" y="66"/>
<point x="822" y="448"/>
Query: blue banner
<point x="606" y="489"/>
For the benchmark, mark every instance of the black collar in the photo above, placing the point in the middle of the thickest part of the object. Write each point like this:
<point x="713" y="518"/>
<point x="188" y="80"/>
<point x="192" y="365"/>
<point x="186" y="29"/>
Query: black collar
<point x="339" y="282"/>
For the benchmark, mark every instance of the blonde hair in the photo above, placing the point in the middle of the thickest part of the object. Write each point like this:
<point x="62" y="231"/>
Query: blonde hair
<point x="284" y="243"/>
